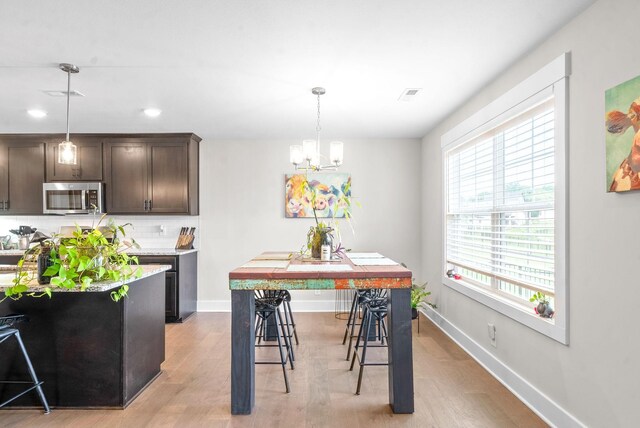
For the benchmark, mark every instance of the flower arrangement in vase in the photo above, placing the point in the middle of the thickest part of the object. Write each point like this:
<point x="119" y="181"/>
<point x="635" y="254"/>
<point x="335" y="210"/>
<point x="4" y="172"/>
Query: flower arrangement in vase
<point x="324" y="232"/>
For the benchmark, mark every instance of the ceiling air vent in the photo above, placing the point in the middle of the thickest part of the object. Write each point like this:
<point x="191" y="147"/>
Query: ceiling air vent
<point x="409" y="94"/>
<point x="63" y="93"/>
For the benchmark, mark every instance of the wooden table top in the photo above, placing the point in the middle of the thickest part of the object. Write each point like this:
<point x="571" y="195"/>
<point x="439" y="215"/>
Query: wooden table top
<point x="246" y="278"/>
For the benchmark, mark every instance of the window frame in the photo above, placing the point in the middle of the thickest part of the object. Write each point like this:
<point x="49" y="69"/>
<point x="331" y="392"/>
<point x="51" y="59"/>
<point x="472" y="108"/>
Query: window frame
<point x="551" y="80"/>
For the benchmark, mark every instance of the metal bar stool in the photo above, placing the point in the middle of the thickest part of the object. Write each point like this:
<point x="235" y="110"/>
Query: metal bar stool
<point x="266" y="307"/>
<point x="288" y="314"/>
<point x="5" y="333"/>
<point x="266" y="332"/>
<point x="356" y="310"/>
<point x="375" y="310"/>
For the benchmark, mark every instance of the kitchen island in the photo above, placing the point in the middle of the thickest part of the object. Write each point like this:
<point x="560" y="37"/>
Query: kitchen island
<point x="90" y="352"/>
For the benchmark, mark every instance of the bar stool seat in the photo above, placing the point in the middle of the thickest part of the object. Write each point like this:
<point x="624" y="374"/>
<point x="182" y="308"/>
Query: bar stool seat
<point x="6" y="332"/>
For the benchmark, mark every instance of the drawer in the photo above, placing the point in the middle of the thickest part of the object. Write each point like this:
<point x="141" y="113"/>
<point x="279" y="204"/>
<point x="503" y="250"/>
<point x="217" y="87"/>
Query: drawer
<point x="158" y="260"/>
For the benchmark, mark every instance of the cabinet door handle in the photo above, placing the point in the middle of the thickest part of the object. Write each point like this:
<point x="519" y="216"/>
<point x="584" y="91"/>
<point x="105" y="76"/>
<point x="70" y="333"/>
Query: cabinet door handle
<point x="3" y="203"/>
<point x="6" y="205"/>
<point x="145" y="204"/>
<point x="150" y="206"/>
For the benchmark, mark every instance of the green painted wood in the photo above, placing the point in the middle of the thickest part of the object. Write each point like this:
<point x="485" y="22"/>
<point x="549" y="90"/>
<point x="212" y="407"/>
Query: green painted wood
<point x="317" y="284"/>
<point x="282" y="284"/>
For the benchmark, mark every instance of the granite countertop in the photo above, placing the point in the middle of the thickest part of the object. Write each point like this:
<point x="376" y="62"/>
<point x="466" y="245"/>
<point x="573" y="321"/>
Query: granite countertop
<point x="132" y="252"/>
<point x="147" y="270"/>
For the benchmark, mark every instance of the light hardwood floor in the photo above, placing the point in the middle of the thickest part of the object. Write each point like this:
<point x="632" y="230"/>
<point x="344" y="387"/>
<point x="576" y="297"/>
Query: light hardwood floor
<point x="451" y="389"/>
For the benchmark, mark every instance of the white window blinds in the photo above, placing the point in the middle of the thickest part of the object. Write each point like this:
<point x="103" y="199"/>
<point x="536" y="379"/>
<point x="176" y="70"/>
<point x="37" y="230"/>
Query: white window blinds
<point x="500" y="205"/>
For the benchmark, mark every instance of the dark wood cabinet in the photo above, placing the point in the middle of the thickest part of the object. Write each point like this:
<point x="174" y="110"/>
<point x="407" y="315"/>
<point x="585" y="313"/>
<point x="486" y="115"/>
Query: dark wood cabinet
<point x="171" y="295"/>
<point x="89" y="161"/>
<point x="143" y="173"/>
<point x="21" y="175"/>
<point x="156" y="175"/>
<point x="126" y="175"/>
<point x="9" y="260"/>
<point x="181" y="284"/>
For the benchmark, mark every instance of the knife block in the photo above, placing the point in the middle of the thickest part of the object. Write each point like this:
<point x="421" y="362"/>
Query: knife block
<point x="185" y="241"/>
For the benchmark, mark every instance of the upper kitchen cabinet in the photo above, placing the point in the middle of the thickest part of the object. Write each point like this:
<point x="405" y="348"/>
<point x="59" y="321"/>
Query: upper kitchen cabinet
<point x="21" y="174"/>
<point x="89" y="160"/>
<point x="155" y="174"/>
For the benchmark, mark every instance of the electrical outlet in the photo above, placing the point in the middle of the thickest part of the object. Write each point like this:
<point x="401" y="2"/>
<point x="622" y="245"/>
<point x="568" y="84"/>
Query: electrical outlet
<point x="317" y="292"/>
<point x="491" y="330"/>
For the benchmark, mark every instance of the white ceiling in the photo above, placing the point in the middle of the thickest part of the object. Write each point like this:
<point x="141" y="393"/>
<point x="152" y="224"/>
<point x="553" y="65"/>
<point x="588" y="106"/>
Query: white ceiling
<point x="245" y="68"/>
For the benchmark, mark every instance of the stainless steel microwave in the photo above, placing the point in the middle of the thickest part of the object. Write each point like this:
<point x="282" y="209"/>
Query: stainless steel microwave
<point x="72" y="198"/>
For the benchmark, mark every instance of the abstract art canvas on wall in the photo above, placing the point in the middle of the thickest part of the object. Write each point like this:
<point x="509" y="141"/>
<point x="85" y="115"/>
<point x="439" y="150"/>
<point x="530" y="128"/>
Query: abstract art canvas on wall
<point x="328" y="191"/>
<point x="622" y="121"/>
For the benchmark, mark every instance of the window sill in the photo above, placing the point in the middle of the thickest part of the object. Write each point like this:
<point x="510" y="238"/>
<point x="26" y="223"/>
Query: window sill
<point x="511" y="309"/>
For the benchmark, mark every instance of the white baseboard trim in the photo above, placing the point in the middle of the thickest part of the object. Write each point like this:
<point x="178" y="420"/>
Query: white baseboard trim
<point x="297" y="305"/>
<point x="532" y="397"/>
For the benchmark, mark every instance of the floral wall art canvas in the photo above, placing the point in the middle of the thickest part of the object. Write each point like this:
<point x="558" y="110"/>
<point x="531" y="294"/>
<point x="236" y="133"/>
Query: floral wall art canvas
<point x="330" y="190"/>
<point x="622" y="121"/>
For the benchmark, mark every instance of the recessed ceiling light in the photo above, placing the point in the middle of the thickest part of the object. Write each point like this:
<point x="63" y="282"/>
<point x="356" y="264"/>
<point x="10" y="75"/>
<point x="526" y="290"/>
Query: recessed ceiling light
<point x="152" y="112"/>
<point x="37" y="113"/>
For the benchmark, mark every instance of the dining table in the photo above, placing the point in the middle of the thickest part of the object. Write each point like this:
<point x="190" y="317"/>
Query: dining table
<point x="291" y="271"/>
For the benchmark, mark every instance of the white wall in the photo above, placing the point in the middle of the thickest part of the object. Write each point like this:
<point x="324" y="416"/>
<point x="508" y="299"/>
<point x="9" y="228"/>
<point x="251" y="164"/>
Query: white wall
<point x="594" y="378"/>
<point x="148" y="231"/>
<point x="242" y="209"/>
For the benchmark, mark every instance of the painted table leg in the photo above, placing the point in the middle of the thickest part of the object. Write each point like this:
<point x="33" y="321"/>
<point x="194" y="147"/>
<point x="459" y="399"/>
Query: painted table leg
<point x="400" y="352"/>
<point x="242" y="352"/>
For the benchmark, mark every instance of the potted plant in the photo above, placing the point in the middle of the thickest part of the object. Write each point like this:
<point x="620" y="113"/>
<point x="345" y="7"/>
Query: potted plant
<point x="323" y="232"/>
<point x="419" y="296"/>
<point x="76" y="262"/>
<point x="543" y="308"/>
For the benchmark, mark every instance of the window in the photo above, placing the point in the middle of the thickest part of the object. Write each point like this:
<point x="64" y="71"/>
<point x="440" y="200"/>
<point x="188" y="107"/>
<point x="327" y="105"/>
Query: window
<point x="504" y="226"/>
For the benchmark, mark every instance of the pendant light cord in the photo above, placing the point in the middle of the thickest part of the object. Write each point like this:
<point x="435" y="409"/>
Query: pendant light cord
<point x="318" y="130"/>
<point x="68" y="98"/>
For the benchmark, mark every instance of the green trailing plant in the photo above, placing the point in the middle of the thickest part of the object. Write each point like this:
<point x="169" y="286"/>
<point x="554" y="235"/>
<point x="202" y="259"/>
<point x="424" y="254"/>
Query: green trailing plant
<point x="88" y="256"/>
<point x="419" y="296"/>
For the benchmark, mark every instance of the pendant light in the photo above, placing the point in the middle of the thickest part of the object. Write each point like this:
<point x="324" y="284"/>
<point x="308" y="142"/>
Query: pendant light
<point x="67" y="151"/>
<point x="309" y="151"/>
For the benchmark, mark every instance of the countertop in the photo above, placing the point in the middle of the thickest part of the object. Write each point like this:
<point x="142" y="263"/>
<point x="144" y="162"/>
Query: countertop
<point x="280" y="278"/>
<point x="147" y="270"/>
<point x="132" y="252"/>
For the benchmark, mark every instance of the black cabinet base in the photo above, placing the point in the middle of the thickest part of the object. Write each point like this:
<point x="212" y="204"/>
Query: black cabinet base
<point x="89" y="351"/>
<point x="181" y="284"/>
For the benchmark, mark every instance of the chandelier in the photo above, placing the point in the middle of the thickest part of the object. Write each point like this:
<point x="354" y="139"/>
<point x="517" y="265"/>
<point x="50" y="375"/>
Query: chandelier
<point x="67" y="151"/>
<point x="306" y="157"/>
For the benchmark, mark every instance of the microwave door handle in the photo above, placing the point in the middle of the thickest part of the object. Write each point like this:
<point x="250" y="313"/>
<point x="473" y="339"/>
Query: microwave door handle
<point x="85" y="200"/>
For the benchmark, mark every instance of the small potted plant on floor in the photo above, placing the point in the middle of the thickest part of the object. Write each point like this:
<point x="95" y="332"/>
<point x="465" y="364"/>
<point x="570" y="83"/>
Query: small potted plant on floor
<point x="419" y="296"/>
<point x="543" y="308"/>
